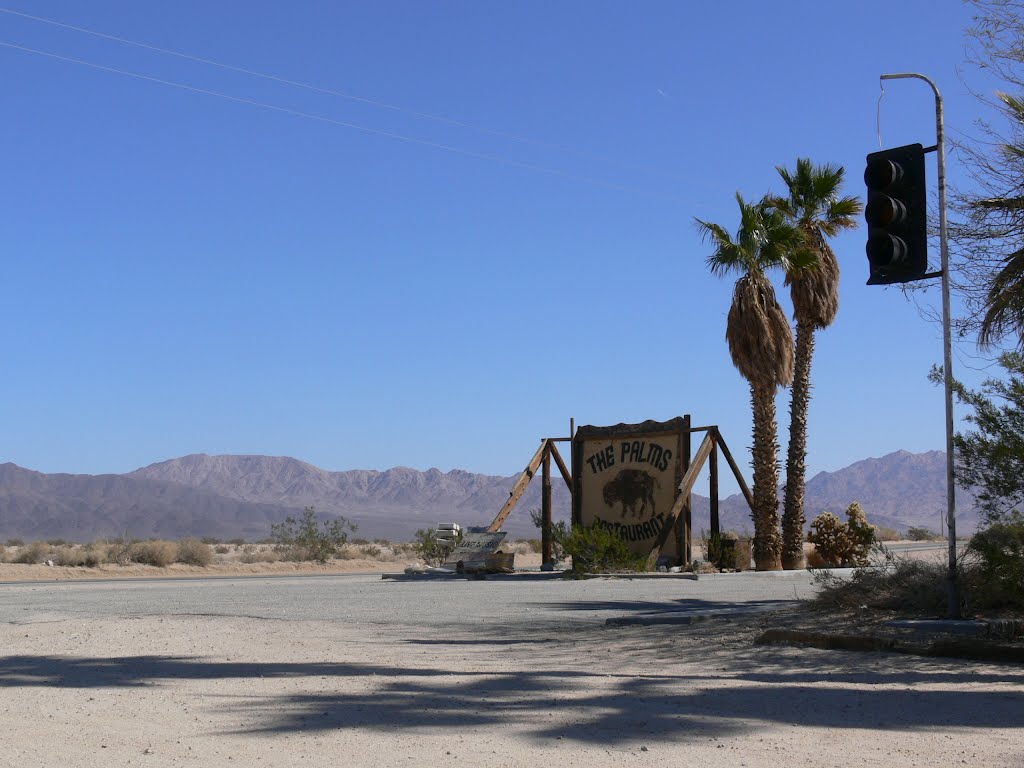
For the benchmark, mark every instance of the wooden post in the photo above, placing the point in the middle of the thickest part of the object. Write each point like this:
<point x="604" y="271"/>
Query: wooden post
<point x="545" y="506"/>
<point x="684" y="533"/>
<point x="713" y="489"/>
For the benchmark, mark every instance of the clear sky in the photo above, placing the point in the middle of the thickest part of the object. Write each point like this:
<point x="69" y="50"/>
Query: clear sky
<point x="189" y="273"/>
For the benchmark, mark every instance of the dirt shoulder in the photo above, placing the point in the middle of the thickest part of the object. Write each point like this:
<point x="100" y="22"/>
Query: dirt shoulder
<point x="12" y="572"/>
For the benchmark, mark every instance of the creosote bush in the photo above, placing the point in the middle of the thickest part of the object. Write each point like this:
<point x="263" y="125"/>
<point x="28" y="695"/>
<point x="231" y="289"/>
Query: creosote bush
<point x="192" y="551"/>
<point x="36" y="552"/>
<point x="308" y="538"/>
<point x="432" y="550"/>
<point x="155" y="552"/>
<point x="593" y="550"/>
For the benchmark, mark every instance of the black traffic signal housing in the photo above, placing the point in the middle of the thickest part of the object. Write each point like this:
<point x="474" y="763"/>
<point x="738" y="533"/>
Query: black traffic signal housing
<point x="897" y="214"/>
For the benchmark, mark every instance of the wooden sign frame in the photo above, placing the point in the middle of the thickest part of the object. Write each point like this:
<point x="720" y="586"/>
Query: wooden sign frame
<point x="608" y="457"/>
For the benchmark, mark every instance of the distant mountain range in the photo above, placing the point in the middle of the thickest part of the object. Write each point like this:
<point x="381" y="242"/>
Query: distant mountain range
<point x="241" y="496"/>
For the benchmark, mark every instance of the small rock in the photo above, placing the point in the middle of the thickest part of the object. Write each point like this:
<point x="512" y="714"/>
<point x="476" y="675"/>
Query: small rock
<point x="643" y="749"/>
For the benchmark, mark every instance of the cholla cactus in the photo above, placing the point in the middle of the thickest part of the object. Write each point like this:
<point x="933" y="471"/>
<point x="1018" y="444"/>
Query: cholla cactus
<point x="831" y="538"/>
<point x="861" y="534"/>
<point x="843" y="544"/>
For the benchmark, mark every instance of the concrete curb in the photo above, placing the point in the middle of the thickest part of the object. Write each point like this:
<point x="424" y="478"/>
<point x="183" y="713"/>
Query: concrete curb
<point x="691" y="617"/>
<point x="957" y="648"/>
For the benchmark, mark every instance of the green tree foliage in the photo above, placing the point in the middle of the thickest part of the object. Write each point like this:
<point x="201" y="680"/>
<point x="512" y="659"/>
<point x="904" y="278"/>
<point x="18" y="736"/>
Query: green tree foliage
<point x="991" y="458"/>
<point x="308" y="538"/>
<point x="432" y="550"/>
<point x="999" y="549"/>
<point x="986" y="226"/>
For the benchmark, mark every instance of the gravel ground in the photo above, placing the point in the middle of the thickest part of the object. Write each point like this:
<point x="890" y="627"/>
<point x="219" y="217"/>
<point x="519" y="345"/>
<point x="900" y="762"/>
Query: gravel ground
<point x="511" y="687"/>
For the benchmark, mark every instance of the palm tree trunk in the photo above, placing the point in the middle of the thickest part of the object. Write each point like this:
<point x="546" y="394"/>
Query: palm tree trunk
<point x="796" y="459"/>
<point x="767" y="544"/>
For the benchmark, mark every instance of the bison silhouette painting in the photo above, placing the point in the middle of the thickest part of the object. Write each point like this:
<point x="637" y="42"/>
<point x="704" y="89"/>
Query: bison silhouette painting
<point x="629" y="488"/>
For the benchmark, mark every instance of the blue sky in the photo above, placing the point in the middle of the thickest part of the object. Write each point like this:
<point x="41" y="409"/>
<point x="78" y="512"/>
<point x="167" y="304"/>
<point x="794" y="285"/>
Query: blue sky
<point x="190" y="273"/>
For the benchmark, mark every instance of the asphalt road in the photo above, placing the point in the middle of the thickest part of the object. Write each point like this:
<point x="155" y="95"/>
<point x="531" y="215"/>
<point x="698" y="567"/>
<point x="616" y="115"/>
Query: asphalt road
<point x="367" y="599"/>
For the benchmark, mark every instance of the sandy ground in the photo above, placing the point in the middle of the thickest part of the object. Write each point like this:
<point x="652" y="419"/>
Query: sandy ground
<point x="200" y="690"/>
<point x="230" y="567"/>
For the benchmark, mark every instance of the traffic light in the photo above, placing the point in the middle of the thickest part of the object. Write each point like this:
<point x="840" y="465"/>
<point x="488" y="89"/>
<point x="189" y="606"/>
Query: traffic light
<point x="896" y="212"/>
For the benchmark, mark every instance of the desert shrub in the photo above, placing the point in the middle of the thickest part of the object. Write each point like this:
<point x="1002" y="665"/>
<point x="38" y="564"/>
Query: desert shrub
<point x="996" y="576"/>
<point x="371" y="551"/>
<point x="237" y="542"/>
<point x="58" y="542"/>
<point x="593" y="550"/>
<point x="256" y="556"/>
<point x="36" y="552"/>
<point x="722" y="550"/>
<point x="917" y="587"/>
<point x="884" y="533"/>
<point x="843" y="544"/>
<point x="308" y="538"/>
<point x="221" y="549"/>
<point x="68" y="555"/>
<point x="815" y="560"/>
<point x="922" y="534"/>
<point x="94" y="554"/>
<point x="382" y="542"/>
<point x="15" y="542"/>
<point x="194" y="552"/>
<point x="211" y="540"/>
<point x="359" y="542"/>
<point x="404" y="548"/>
<point x="119" y="550"/>
<point x="536" y="546"/>
<point x="153" y="552"/>
<point x="430" y="549"/>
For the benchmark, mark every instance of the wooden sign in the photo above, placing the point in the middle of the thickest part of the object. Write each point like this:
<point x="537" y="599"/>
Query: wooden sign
<point x="473" y="550"/>
<point x="626" y="480"/>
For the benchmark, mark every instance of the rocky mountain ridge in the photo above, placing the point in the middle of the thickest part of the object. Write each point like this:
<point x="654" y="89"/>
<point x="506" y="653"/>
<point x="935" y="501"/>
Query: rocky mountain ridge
<point x="240" y="496"/>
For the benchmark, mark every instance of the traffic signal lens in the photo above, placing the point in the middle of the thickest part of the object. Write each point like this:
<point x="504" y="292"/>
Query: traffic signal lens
<point x="881" y="173"/>
<point x="884" y="211"/>
<point x="885" y="250"/>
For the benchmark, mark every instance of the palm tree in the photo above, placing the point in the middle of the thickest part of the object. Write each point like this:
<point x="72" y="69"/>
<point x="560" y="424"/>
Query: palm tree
<point x="760" y="344"/>
<point x="1004" y="304"/>
<point x="814" y="207"/>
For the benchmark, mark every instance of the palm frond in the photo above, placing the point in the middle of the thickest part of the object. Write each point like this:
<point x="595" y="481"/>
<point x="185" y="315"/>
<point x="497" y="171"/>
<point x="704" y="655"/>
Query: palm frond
<point x="1004" y="313"/>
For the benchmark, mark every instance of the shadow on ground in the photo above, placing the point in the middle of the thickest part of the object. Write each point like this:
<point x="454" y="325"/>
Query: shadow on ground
<point x="603" y="703"/>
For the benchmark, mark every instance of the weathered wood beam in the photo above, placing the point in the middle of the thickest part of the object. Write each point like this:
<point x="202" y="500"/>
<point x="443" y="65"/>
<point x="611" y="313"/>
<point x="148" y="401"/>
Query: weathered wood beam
<point x="520" y="487"/>
<point x="685" y="487"/>
<point x="561" y="467"/>
<point x="735" y="470"/>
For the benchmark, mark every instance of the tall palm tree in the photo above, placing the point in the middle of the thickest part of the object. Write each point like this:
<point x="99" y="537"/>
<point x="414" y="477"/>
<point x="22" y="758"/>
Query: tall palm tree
<point x="813" y="206"/>
<point x="760" y="344"/>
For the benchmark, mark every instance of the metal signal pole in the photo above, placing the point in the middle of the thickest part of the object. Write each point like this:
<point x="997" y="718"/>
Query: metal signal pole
<point x="953" y="604"/>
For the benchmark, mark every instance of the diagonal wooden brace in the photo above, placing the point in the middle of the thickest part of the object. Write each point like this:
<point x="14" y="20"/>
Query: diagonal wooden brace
<point x="684" y="491"/>
<point x="520" y="487"/>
